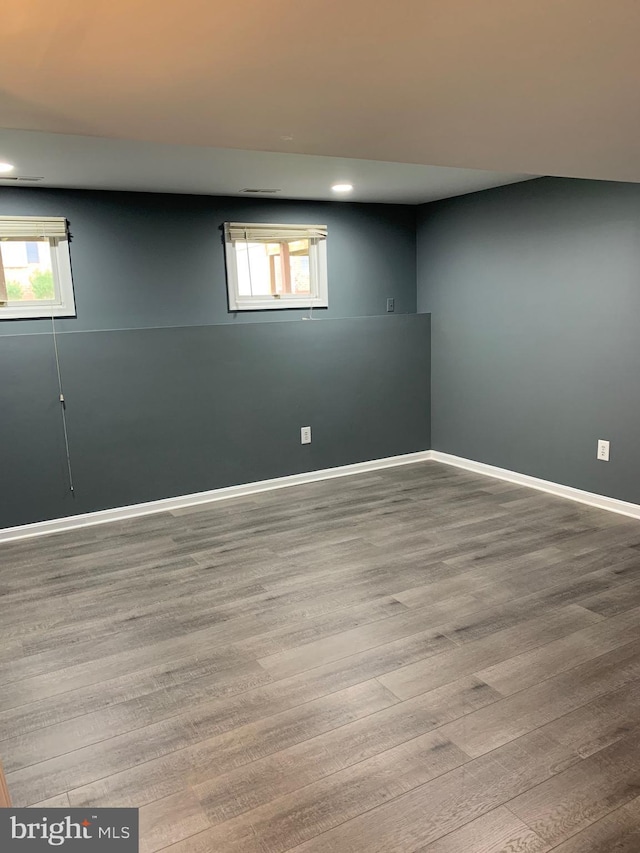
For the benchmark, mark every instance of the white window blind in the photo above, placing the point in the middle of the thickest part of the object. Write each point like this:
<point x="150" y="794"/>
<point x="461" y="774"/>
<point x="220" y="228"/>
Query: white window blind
<point x="34" y="227"/>
<point x="252" y="232"/>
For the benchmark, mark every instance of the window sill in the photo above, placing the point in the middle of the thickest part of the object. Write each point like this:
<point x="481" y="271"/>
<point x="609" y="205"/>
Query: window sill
<point x="42" y="312"/>
<point x="272" y="304"/>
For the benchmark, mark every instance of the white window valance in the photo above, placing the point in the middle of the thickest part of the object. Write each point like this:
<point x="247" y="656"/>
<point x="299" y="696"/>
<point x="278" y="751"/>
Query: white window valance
<point x="258" y="232"/>
<point x="34" y="227"/>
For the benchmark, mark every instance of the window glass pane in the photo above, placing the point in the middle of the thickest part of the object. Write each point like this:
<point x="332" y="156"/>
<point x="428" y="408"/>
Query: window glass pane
<point x="299" y="264"/>
<point x="300" y="276"/>
<point x="274" y="253"/>
<point x="254" y="278"/>
<point x="33" y="255"/>
<point x="28" y="270"/>
<point x="269" y="268"/>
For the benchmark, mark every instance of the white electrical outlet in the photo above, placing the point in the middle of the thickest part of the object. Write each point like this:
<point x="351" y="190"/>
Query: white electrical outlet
<point x="603" y="450"/>
<point x="305" y="435"/>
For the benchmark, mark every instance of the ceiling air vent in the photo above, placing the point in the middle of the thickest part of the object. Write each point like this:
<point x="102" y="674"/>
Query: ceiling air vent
<point x="18" y="179"/>
<point x="251" y="190"/>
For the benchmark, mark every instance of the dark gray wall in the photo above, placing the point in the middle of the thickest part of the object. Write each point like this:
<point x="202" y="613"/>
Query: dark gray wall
<point x="154" y="413"/>
<point x="534" y="291"/>
<point x="142" y="260"/>
<point x="168" y="394"/>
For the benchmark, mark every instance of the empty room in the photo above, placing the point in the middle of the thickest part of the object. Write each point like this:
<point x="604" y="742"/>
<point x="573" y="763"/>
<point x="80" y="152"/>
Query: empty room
<point x="319" y="417"/>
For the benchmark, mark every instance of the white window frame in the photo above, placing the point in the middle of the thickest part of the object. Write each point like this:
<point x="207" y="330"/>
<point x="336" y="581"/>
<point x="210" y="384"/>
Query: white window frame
<point x="319" y="296"/>
<point x="40" y="228"/>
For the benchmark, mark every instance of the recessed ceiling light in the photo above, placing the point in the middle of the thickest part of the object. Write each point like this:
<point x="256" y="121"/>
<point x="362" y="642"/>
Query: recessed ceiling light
<point x="6" y="167"/>
<point x="342" y="188"/>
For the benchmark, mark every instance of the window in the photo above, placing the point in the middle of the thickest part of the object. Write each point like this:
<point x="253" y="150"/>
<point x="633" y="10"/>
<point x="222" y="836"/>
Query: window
<point x="276" y="266"/>
<point x="35" y="268"/>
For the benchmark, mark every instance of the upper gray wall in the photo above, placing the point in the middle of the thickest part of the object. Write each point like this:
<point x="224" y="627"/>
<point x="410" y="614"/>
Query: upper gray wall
<point x="143" y="260"/>
<point x="534" y="291"/>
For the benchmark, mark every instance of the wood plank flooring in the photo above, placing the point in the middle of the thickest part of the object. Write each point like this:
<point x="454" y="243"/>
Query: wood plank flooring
<point x="416" y="659"/>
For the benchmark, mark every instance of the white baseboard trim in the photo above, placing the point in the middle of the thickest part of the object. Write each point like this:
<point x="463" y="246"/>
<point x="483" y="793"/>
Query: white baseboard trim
<point x="589" y="498"/>
<point x="73" y="522"/>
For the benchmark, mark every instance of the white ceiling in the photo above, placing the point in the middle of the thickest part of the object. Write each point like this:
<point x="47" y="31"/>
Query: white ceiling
<point x="113" y="164"/>
<point x="510" y="86"/>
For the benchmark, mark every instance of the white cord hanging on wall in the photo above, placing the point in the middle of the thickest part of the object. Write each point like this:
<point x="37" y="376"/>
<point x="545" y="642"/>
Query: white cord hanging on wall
<point x="63" y="406"/>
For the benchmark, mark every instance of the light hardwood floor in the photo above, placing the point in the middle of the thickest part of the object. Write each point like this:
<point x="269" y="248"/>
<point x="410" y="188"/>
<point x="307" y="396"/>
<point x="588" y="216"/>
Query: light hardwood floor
<point x="417" y="659"/>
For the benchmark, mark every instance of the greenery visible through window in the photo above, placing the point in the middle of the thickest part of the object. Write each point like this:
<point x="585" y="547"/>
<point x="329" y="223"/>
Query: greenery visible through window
<point x="28" y="270"/>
